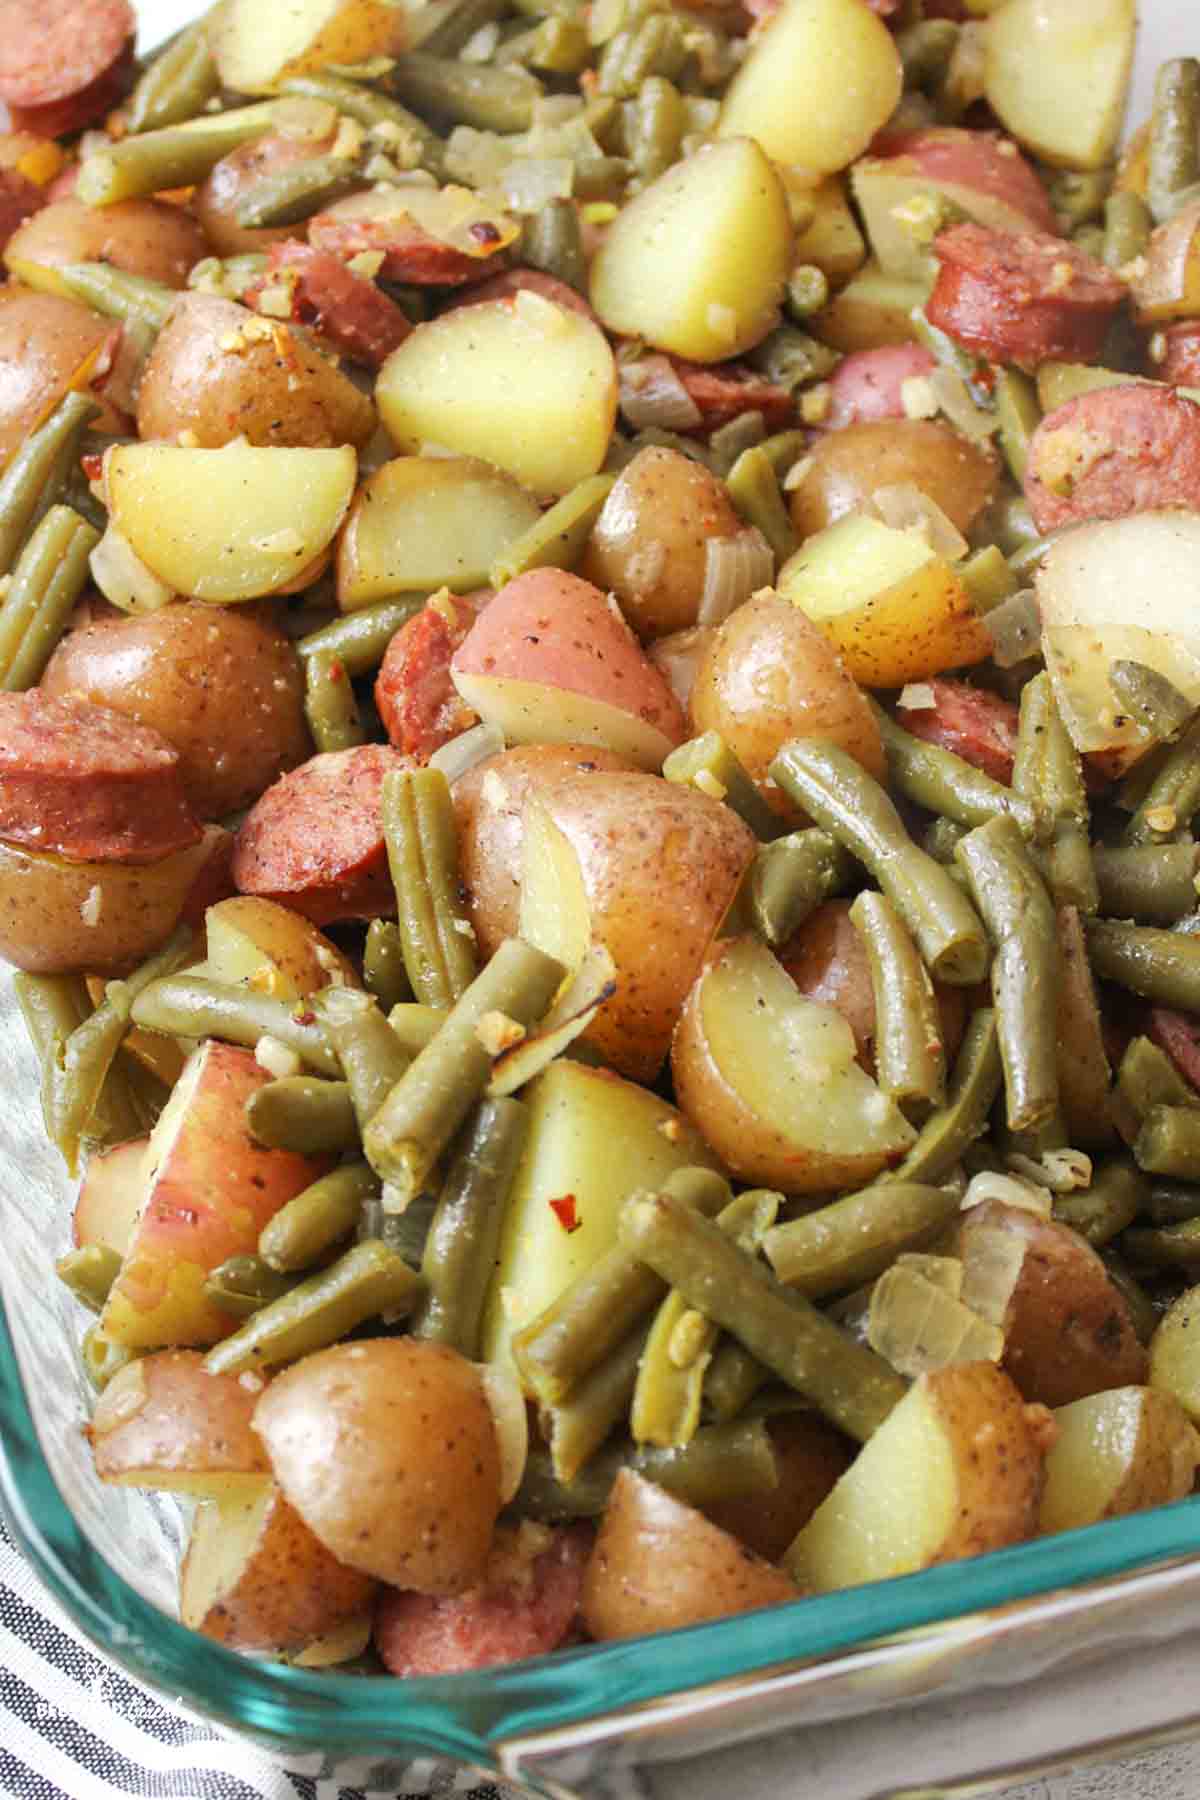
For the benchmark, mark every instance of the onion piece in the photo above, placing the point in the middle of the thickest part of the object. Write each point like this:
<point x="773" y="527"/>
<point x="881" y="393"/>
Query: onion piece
<point x="653" y="396"/>
<point x="1015" y="628"/>
<point x="1012" y="1190"/>
<point x="123" y="578"/>
<point x="567" y="1019"/>
<point x="678" y="656"/>
<point x="734" y="568"/>
<point x="904" y="507"/>
<point x="511" y="1419"/>
<point x="462" y="753"/>
<point x="955" y="401"/>
<point x="529" y="183"/>
<point x="919" y="1327"/>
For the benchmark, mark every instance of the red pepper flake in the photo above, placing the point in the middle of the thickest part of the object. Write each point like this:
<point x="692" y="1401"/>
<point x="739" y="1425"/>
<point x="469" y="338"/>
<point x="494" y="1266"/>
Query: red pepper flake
<point x="564" y="1211"/>
<point x="337" y="669"/>
<point x="92" y="466"/>
<point x="483" y="232"/>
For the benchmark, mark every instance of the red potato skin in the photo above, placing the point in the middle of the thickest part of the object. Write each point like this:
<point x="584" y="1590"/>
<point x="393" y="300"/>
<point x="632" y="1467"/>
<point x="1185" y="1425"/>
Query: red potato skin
<point x="1180" y="363"/>
<point x="511" y="282"/>
<point x="526" y="1605"/>
<point x="1127" y="449"/>
<point x="314" y="840"/>
<point x="867" y="385"/>
<point x="1179" y="1035"/>
<point x="52" y="50"/>
<point x="982" y="160"/>
<point x="724" y="391"/>
<point x="1022" y="299"/>
<point x="20" y="198"/>
<point x="409" y="254"/>
<point x="978" y="726"/>
<point x="419" y="705"/>
<point x="88" y="784"/>
<point x="347" y="309"/>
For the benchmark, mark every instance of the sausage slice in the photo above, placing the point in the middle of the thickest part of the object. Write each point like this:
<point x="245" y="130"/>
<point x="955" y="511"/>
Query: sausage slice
<point x="1117" y="450"/>
<point x="1022" y="297"/>
<point x="62" y="61"/>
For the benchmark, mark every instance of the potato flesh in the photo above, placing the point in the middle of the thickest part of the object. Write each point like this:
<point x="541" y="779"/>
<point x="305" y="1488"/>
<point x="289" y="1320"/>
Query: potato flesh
<point x="1056" y="75"/>
<point x="1117" y="1452"/>
<point x="696" y="264"/>
<point x="256" y="48"/>
<point x="873" y="309"/>
<point x="272" y="949"/>
<point x="527" y="386"/>
<point x="832" y="240"/>
<point x="885" y="189"/>
<point x="228" y="524"/>
<point x="1175" y="1353"/>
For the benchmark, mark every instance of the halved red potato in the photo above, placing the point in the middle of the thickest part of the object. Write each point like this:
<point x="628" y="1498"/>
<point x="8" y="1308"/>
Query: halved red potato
<point x="844" y="468"/>
<point x="110" y="1197"/>
<point x="164" y="1422"/>
<point x="1057" y="76"/>
<point x="209" y="1189"/>
<point x="142" y="237"/>
<point x="255" y="1577"/>
<point x="1117" y="1452"/>
<point x="272" y="949"/>
<point x="551" y="660"/>
<point x="48" y="344"/>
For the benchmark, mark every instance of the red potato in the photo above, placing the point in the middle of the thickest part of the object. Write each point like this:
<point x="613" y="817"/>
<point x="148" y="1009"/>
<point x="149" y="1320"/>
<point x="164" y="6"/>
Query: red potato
<point x="868" y="384"/>
<point x="1179" y="1035"/>
<point x="315" y="288"/>
<point x="272" y="949"/>
<point x="978" y="726"/>
<point x="314" y="840"/>
<point x="209" y="1189"/>
<point x="526" y="1605"/>
<point x="110" y="1197"/>
<point x="219" y="196"/>
<point x="1118" y="450"/>
<point x="551" y="660"/>
<point x="19" y="198"/>
<point x="47" y="345"/>
<point x="164" y="1422"/>
<point x="982" y="161"/>
<point x="810" y="1455"/>
<point x="1027" y="299"/>
<point x="417" y="701"/>
<point x="142" y="237"/>
<point x="845" y="467"/>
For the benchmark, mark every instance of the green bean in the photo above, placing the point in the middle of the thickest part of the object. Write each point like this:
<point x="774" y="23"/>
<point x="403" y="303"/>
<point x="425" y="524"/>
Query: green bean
<point x="653" y="46"/>
<point x="369" y="1280"/>
<point x="89" y="1273"/>
<point x="416" y="1026"/>
<point x="851" y="1385"/>
<point x="422" y="847"/>
<point x="293" y="194"/>
<point x="784" y="449"/>
<point x="987" y="578"/>
<point x="317" y="1218"/>
<point x="1165" y="1246"/>
<point x="177" y="85"/>
<point x="102" y="1357"/>
<point x="558" y="45"/>
<point x="117" y="294"/>
<point x="835" y="790"/>
<point x="177" y="156"/>
<point x="52" y="1006"/>
<point x="1162" y="966"/>
<point x="909" y="1057"/>
<point x="370" y="1054"/>
<point x="1172" y="799"/>
<point x="1172" y="1202"/>
<point x="383" y="964"/>
<point x="1078" y="195"/>
<point x="732" y="1379"/>
<point x="1150" y="700"/>
<point x="667" y="1396"/>
<point x="612" y="1296"/>
<point x="50" y="575"/>
<point x="245" y="1285"/>
<point x="1084" y="1073"/>
<point x="1127" y="227"/>
<point x="709" y="765"/>
<point x="940" y="345"/>
<point x="925" y="50"/>
<point x="656" y="127"/>
<point x="941" y="839"/>
<point x="460" y="24"/>
<point x="1100" y="1212"/>
<point x="1018" y="913"/>
<point x="431" y="1100"/>
<point x="1173" y="151"/>
<point x="1152" y="884"/>
<point x="854" y="1239"/>
<point x="459" y="1254"/>
<point x="552" y="242"/>
<point x="229" y="277"/>
<point x="372" y="110"/>
<point x="791" y="358"/>
<point x="557" y="538"/>
<point x="1047" y="773"/>
<point x="1169" y="1142"/>
<point x="359" y="640"/>
<point x="1142" y="1310"/>
<point x="1146" y="1078"/>
<point x="948" y="1134"/>
<point x="576" y="1427"/>
<point x="36" y="467"/>
<point x="1019" y="414"/>
<point x="728" y="441"/>
<point x="456" y="93"/>
<point x="299" y="1112"/>
<point x="948" y="785"/>
<point x="790" y="878"/>
<point x="754" y="489"/>
<point x="722" y="1462"/>
<point x="329" y="703"/>
<point x="192" y="1006"/>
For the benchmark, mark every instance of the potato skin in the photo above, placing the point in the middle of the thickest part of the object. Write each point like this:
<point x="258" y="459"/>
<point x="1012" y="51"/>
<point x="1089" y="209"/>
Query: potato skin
<point x="387" y="1449"/>
<point x="218" y="198"/>
<point x="489" y="806"/>
<point x="142" y="237"/>
<point x="770" y="675"/>
<point x="275" y="387"/>
<point x="223" y="684"/>
<point x="45" y="340"/>
<point x="165" y="1416"/>
<point x="811" y="1455"/>
<point x="658" y="1564"/>
<point x="648" y="545"/>
<point x="846" y="467"/>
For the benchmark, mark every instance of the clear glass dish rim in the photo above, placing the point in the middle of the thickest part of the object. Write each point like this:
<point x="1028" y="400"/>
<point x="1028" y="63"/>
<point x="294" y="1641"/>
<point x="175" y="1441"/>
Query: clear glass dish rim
<point x="464" y="1716"/>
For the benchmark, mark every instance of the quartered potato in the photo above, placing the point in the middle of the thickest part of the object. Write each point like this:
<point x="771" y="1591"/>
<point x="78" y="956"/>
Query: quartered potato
<point x="1056" y="76"/>
<point x="164" y="1422"/>
<point x="255" y="50"/>
<point x="1117" y="1452"/>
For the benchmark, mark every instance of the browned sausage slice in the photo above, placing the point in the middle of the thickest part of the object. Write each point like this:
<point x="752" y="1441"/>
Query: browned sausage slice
<point x="87" y="784"/>
<point x="525" y="1606"/>
<point x="410" y="253"/>
<point x="319" y="291"/>
<point x="419" y="704"/>
<point x="315" y="839"/>
<point x="725" y="391"/>
<point x="55" y="50"/>
<point x="1022" y="297"/>
<point x="1114" y="451"/>
<point x="523" y="281"/>
<point x="978" y="726"/>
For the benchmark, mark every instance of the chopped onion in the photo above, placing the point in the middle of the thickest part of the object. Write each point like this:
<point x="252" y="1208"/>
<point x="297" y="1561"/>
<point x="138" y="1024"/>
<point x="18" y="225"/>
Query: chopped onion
<point x="918" y="1327"/>
<point x="482" y="44"/>
<point x="652" y="395"/>
<point x="123" y="577"/>
<point x="511" y="1419"/>
<point x="468" y="748"/>
<point x="567" y="1019"/>
<point x="955" y="401"/>
<point x="991" y="1270"/>
<point x="1015" y="628"/>
<point x="1012" y="1190"/>
<point x="734" y="568"/>
<point x="678" y="656"/>
<point x="1059" y="1171"/>
<point x="945" y="1272"/>
<point x="916" y="696"/>
<point x="904" y="507"/>
<point x="531" y="182"/>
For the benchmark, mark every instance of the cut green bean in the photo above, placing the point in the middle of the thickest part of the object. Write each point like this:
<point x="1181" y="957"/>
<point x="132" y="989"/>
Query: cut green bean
<point x="941" y="839"/>
<point x="1165" y="1247"/>
<point x="316" y="1219"/>
<point x="783" y="449"/>
<point x="1169" y="1142"/>
<point x="176" y="85"/>
<point x="293" y="194"/>
<point x="460" y="23"/>
<point x="1150" y="700"/>
<point x="722" y="1462"/>
<point x="243" y="1285"/>
<point x="51" y="574"/>
<point x="359" y="640"/>
<point x="1047" y="773"/>
<point x="1147" y="1078"/>
<point x="52" y="1006"/>
<point x="329" y="703"/>
<point x="1152" y="884"/>
<point x="117" y="294"/>
<point x="556" y="540"/>
<point x="302" y="1113"/>
<point x="1127" y="228"/>
<point x="1019" y="414"/>
<point x="193" y="1006"/>
<point x="371" y="1056"/>
<point x="177" y="156"/>
<point x="1084" y="1072"/>
<point x="459" y="1255"/>
<point x="557" y="45"/>
<point x="1172" y="800"/>
<point x="1142" y="1310"/>
<point x="1019" y="915"/>
<point x="422" y="846"/>
<point x="1078" y="195"/>
<point x="552" y="241"/>
<point x="709" y="765"/>
<point x="578" y="1425"/>
<point x="431" y="1100"/>
<point x="416" y="1026"/>
<point x="925" y="50"/>
<point x="836" y="791"/>
<point x="910" y="1063"/>
<point x="102" y="1357"/>
<point x="89" y="1273"/>
<point x="849" y="1384"/>
<point x="789" y="879"/>
<point x="948" y="1134"/>
<point x="948" y="785"/>
<point x="754" y="489"/>
<point x="1162" y="966"/>
<point x="588" y="1320"/>
<point x="657" y="124"/>
<point x="853" y="1240"/>
<point x="732" y="1379"/>
<point x="457" y="93"/>
<point x="987" y="578"/>
<point x="654" y="46"/>
<point x="1118" y="1192"/>
<point x="374" y="111"/>
<point x="1172" y="1202"/>
<point x="1173" y="150"/>
<point x="728" y="441"/>
<point x="383" y="964"/>
<point x="37" y="466"/>
<point x="367" y="1282"/>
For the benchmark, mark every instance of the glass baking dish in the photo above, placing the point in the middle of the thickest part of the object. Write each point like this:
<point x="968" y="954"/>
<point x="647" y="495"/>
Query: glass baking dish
<point x="956" y="1680"/>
